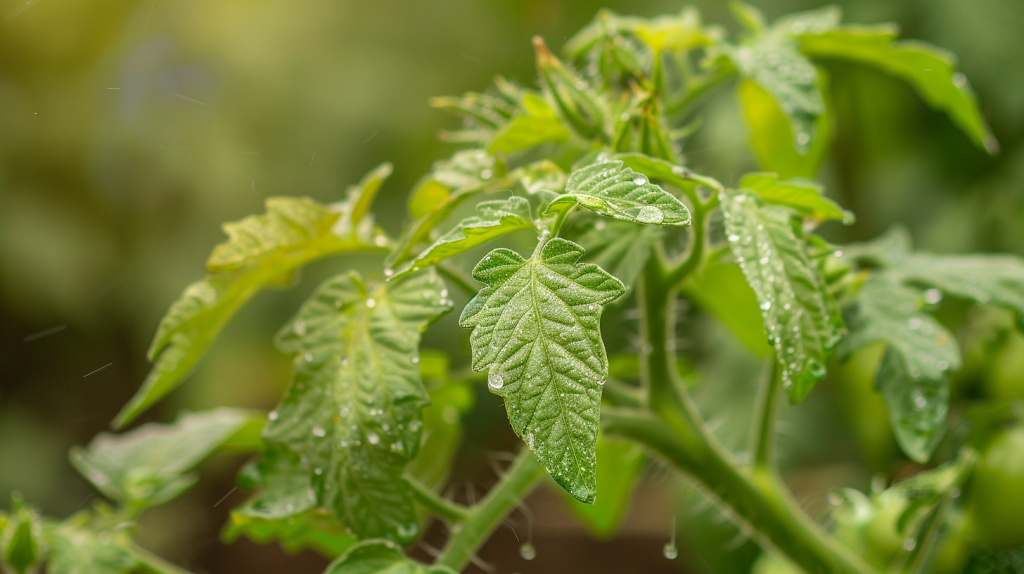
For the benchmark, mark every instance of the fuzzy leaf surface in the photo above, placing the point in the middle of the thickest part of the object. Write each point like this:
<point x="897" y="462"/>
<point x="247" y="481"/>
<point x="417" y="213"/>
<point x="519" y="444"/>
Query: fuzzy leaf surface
<point x="351" y="417"/>
<point x="616" y="191"/>
<point x="536" y="328"/>
<point x="801" y="318"/>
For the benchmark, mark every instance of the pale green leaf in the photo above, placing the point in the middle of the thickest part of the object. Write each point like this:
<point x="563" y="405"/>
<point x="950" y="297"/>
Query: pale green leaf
<point x="537" y="123"/>
<point x="929" y="69"/>
<point x="380" y="557"/>
<point x="912" y="376"/>
<point x="352" y="413"/>
<point x="619" y="466"/>
<point x="801" y="318"/>
<point x="465" y="169"/>
<point x="805" y="197"/>
<point x="539" y="177"/>
<point x="150" y="465"/>
<point x="620" y="247"/>
<point x="721" y="290"/>
<point x="748" y="15"/>
<point x="83" y="551"/>
<point x="483" y="115"/>
<point x="536" y="328"/>
<point x="616" y="191"/>
<point x="493" y="219"/>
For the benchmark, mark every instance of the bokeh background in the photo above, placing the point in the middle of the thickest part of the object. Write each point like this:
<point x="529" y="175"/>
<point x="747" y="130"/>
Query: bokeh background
<point x="130" y="130"/>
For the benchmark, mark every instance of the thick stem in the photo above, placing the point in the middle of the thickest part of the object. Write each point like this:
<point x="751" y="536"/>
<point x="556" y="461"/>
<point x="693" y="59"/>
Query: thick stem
<point x="485" y="517"/>
<point x="764" y="430"/>
<point x="752" y="497"/>
<point x="433" y="502"/>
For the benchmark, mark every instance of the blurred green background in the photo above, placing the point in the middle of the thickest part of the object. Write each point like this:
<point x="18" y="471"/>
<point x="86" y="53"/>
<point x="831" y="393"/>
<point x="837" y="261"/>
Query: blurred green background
<point x="130" y="130"/>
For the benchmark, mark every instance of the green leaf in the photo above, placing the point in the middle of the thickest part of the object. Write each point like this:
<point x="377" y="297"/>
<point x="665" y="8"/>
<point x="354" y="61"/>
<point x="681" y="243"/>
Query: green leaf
<point x="442" y="431"/>
<point x="351" y="417"/>
<point x="803" y="196"/>
<point x="537" y="123"/>
<point x="620" y="247"/>
<point x="800" y="316"/>
<point x="83" y="551"/>
<point x="536" y="328"/>
<point x="887" y="250"/>
<point x="676" y="175"/>
<point x="912" y="375"/>
<point x="929" y="69"/>
<point x="579" y="106"/>
<point x="380" y="557"/>
<point x="749" y="16"/>
<point x="619" y="465"/>
<point x="493" y="219"/>
<point x="616" y="191"/>
<point x="721" y="290"/>
<point x="483" y="114"/>
<point x="262" y="251"/>
<point x="21" y="542"/>
<point x="150" y="465"/>
<point x="316" y="528"/>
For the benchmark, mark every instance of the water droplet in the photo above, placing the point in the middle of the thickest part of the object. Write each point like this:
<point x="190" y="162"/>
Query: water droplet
<point x="837" y="253"/>
<point x="486" y="174"/>
<point x="527" y="551"/>
<point x="920" y="401"/>
<point x="835" y="499"/>
<point x="444" y="292"/>
<point x="300" y="327"/>
<point x="272" y="415"/>
<point x="319" y="432"/>
<point x="601" y="383"/>
<point x="640" y="179"/>
<point x="959" y="79"/>
<point x="318" y="471"/>
<point x="415" y="360"/>
<point x="734" y="238"/>
<point x="932" y="296"/>
<point x="650" y="214"/>
<point x="380" y="241"/>
<point x="408" y="531"/>
<point x="670" y="551"/>
<point x="372" y="437"/>
<point x="389" y="272"/>
<point x="624" y="117"/>
<point x="914" y="323"/>
<point x="371" y="303"/>
<point x="495" y="381"/>
<point x="954" y="492"/>
<point x="803" y="138"/>
<point x="909" y="544"/>
<point x="766" y="305"/>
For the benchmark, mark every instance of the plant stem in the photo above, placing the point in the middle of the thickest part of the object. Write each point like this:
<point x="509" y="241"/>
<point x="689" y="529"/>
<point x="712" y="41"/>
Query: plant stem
<point x="700" y="87"/>
<point x="764" y="431"/>
<point x="696" y="252"/>
<point x="464" y="283"/>
<point x="485" y="517"/>
<point x="152" y="563"/>
<point x="441" y="507"/>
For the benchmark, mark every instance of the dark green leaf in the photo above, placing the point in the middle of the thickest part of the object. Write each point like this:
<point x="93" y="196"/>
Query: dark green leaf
<point x="83" y="551"/>
<point x="380" y="557"/>
<point x="803" y="196"/>
<point x="800" y="316"/>
<point x="150" y="465"/>
<point x="616" y="191"/>
<point x="352" y="412"/>
<point x="536" y="328"/>
<point x="619" y="465"/>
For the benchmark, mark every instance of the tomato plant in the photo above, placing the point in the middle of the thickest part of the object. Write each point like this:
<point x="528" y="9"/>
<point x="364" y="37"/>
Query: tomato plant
<point x="580" y="192"/>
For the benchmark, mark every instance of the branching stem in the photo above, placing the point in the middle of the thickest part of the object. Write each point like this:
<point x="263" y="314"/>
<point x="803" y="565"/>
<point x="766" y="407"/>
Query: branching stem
<point x="435" y="503"/>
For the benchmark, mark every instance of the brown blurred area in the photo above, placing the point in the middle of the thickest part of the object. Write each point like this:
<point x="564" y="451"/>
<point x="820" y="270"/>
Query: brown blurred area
<point x="130" y="130"/>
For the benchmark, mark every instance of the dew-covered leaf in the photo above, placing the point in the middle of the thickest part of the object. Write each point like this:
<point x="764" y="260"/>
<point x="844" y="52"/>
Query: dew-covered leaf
<point x="536" y="328"/>
<point x="662" y="170"/>
<point x="804" y="196"/>
<point x="912" y="375"/>
<point x="84" y="551"/>
<point x="351" y="417"/>
<point x="616" y="191"/>
<point x="929" y="69"/>
<point x="620" y="247"/>
<point x="619" y="465"/>
<point x="801" y="318"/>
<point x="380" y="557"/>
<point x="537" y="123"/>
<point x="493" y="219"/>
<point x="151" y="464"/>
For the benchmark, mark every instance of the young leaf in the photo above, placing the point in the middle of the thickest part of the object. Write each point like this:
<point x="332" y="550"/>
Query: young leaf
<point x="929" y="69"/>
<point x="912" y="376"/>
<point x="579" y="106"/>
<point x="150" y="465"/>
<point x="800" y="316"/>
<point x="262" y="251"/>
<point x="83" y="551"/>
<point x="612" y="190"/>
<point x="619" y="465"/>
<point x="352" y="412"/>
<point x="537" y="123"/>
<point x="620" y="247"/>
<point x="536" y="328"/>
<point x="803" y="196"/>
<point x="380" y="557"/>
<point x="21" y="541"/>
<point x="493" y="219"/>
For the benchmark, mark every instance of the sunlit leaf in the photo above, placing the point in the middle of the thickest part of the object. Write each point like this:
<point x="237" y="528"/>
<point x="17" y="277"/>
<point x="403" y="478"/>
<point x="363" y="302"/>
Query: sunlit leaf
<point x="929" y="69"/>
<point x="616" y="191"/>
<point x="380" y="557"/>
<point x="619" y="465"/>
<point x="801" y="318"/>
<point x="536" y="328"/>
<point x="151" y="464"/>
<point x="315" y="528"/>
<point x="350" y="420"/>
<point x="805" y="197"/>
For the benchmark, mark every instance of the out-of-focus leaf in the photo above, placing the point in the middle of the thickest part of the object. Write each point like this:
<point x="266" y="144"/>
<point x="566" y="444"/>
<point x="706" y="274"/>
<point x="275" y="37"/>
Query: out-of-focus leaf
<point x="801" y="318"/>
<point x="802" y="196"/>
<point x="721" y="290"/>
<point x="912" y="375"/>
<point x="442" y="432"/>
<point x="621" y="247"/>
<point x="749" y="16"/>
<point x="352" y="413"/>
<point x="493" y="219"/>
<point x="467" y="168"/>
<point x="579" y="106"/>
<point x="262" y="251"/>
<point x="619" y="465"/>
<point x="536" y="124"/>
<point x="150" y="465"/>
<point x="536" y="328"/>
<point x="380" y="557"/>
<point x="929" y="69"/>
<point x="83" y="551"/>
<point x="616" y="191"/>
<point x="21" y="541"/>
<point x="315" y="528"/>
<point x="887" y="250"/>
<point x="661" y="170"/>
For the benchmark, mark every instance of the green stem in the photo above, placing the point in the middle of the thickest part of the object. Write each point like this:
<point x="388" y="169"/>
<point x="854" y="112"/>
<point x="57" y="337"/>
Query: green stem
<point x="440" y="506"/>
<point x="695" y="256"/>
<point x="699" y="88"/>
<point x="485" y="517"/>
<point x="622" y="395"/>
<point x="756" y="498"/>
<point x="153" y="564"/>
<point x="764" y="430"/>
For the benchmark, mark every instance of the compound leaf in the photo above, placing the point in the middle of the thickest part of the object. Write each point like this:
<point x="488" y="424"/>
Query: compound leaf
<point x="616" y="191"/>
<point x="350" y="420"/>
<point x="800" y="316"/>
<point x="536" y="328"/>
<point x="929" y="69"/>
<point x="912" y="375"/>
<point x="493" y="219"/>
<point x="803" y="196"/>
<point x="380" y="557"/>
<point x="150" y="465"/>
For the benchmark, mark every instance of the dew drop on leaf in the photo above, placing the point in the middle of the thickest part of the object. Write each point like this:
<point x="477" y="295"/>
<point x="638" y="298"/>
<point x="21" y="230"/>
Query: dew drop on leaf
<point x="670" y="551"/>
<point x="371" y="303"/>
<point x="495" y="381"/>
<point x="527" y="551"/>
<point x="932" y="296"/>
<point x="372" y="437"/>
<point x="640" y="179"/>
<point x="650" y="214"/>
<point x="319" y="432"/>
